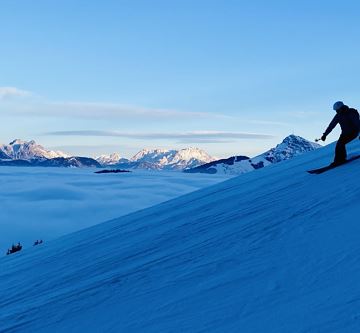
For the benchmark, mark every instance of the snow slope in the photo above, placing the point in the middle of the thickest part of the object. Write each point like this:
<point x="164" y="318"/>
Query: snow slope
<point x="275" y="250"/>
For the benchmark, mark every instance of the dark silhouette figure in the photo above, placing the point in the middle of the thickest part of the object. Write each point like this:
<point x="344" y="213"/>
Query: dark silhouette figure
<point x="37" y="242"/>
<point x="14" y="248"/>
<point x="349" y="121"/>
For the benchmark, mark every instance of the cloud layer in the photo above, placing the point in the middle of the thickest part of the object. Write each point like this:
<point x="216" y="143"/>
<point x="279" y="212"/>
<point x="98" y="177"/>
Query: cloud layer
<point x="195" y="136"/>
<point x="86" y="110"/>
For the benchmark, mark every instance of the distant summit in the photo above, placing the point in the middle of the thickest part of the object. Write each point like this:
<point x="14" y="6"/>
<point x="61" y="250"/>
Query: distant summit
<point x="109" y="159"/>
<point x="27" y="150"/>
<point x="160" y="159"/>
<point x="29" y="153"/>
<point x="290" y="147"/>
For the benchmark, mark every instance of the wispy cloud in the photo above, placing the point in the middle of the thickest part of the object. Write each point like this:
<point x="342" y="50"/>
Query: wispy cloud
<point x="10" y="92"/>
<point x="106" y="111"/>
<point x="195" y="136"/>
<point x="39" y="106"/>
<point x="266" y="122"/>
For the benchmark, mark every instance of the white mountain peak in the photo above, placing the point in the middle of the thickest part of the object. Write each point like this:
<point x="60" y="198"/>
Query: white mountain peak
<point x="27" y="150"/>
<point x="172" y="159"/>
<point x="108" y="159"/>
<point x="150" y="154"/>
<point x="290" y="147"/>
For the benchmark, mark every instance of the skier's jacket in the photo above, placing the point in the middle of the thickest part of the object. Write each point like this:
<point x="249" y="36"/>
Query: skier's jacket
<point x="348" y="119"/>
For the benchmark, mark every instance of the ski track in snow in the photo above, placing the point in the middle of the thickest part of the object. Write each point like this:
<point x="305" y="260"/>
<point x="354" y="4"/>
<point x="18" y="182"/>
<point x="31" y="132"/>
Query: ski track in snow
<point x="275" y="250"/>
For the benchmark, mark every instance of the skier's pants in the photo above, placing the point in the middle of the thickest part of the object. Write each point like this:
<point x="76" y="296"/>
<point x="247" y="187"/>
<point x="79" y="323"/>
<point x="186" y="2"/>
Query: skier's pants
<point x="340" y="150"/>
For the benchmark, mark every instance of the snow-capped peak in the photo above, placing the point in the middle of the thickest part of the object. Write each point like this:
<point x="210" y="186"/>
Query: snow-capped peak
<point x="190" y="157"/>
<point x="189" y="153"/>
<point x="20" y="142"/>
<point x="149" y="155"/>
<point x="27" y="150"/>
<point x="291" y="146"/>
<point x="171" y="159"/>
<point x="108" y="159"/>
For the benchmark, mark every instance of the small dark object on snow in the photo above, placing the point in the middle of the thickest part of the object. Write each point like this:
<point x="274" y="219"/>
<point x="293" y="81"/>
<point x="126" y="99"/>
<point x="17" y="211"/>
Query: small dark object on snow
<point x="14" y="248"/>
<point x="333" y="166"/>
<point x="37" y="242"/>
<point x="112" y="171"/>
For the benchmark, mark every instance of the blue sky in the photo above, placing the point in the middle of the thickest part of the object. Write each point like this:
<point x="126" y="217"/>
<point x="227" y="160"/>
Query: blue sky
<point x="92" y="77"/>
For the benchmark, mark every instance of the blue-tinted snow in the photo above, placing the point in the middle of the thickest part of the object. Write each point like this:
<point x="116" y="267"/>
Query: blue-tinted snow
<point x="275" y="250"/>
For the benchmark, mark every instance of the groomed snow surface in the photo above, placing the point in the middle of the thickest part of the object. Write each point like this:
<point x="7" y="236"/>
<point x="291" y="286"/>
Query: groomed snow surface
<point x="274" y="250"/>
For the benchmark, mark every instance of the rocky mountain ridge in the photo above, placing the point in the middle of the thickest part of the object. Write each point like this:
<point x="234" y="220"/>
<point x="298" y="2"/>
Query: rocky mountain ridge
<point x="290" y="147"/>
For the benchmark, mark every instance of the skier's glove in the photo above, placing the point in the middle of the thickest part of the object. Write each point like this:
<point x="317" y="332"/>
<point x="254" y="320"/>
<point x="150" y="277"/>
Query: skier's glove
<point x="323" y="138"/>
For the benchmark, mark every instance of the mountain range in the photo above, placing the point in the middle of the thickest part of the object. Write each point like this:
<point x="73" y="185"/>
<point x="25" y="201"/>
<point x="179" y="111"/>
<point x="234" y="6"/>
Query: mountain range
<point x="27" y="150"/>
<point x="29" y="153"/>
<point x="290" y="147"/>
<point x="192" y="160"/>
<point x="160" y="159"/>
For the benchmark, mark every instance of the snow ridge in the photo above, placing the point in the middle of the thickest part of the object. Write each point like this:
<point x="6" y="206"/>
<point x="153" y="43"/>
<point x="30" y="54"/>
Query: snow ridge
<point x="111" y="159"/>
<point x="290" y="147"/>
<point x="160" y="159"/>
<point x="27" y="150"/>
<point x="173" y="159"/>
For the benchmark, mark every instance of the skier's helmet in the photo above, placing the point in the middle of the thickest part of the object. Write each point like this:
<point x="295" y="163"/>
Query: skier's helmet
<point x="338" y="105"/>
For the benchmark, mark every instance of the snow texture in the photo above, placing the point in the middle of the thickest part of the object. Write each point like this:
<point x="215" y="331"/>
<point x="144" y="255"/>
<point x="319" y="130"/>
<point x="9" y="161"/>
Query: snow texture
<point x="275" y="250"/>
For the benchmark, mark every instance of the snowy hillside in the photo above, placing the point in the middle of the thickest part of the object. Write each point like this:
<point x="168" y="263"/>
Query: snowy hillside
<point x="276" y="251"/>
<point x="290" y="147"/>
<point x="27" y="150"/>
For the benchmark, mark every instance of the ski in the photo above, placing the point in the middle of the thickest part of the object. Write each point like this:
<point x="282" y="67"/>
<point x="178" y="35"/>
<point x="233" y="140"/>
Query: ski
<point x="332" y="166"/>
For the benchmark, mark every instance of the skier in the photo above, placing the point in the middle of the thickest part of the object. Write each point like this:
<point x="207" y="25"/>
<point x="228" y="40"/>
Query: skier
<point x="349" y="121"/>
